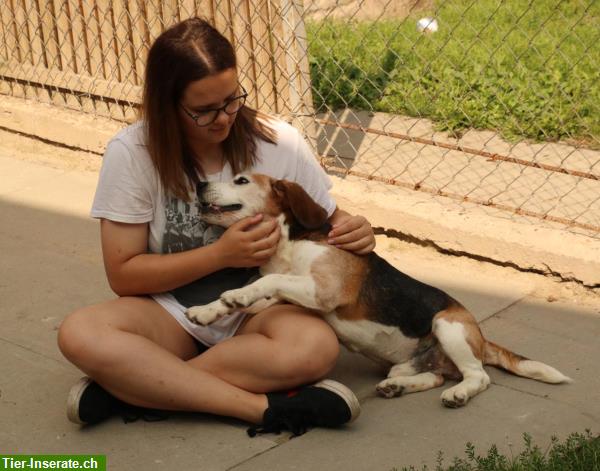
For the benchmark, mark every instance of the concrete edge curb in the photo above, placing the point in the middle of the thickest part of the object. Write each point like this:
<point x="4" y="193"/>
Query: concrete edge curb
<point x="57" y="125"/>
<point x="471" y="230"/>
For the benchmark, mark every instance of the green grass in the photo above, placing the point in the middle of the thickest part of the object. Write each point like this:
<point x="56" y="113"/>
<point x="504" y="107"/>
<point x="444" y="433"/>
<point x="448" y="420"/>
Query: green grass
<point x="579" y="452"/>
<point x="528" y="69"/>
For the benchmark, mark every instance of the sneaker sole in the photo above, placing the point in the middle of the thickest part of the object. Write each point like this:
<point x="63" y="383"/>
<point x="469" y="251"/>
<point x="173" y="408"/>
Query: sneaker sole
<point x="345" y="393"/>
<point x="73" y="400"/>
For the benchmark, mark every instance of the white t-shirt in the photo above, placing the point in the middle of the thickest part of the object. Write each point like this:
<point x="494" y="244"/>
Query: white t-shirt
<point x="129" y="190"/>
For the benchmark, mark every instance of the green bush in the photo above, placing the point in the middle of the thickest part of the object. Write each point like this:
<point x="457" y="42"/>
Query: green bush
<point x="579" y="452"/>
<point x="525" y="69"/>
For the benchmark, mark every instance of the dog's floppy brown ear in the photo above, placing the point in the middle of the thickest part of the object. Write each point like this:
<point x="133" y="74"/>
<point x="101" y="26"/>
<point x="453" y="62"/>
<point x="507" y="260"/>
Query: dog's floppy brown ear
<point x="293" y="197"/>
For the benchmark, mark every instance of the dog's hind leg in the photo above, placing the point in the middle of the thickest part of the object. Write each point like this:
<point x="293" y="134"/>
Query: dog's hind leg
<point x="408" y="368"/>
<point x="461" y="340"/>
<point x="402" y="384"/>
<point x="427" y="369"/>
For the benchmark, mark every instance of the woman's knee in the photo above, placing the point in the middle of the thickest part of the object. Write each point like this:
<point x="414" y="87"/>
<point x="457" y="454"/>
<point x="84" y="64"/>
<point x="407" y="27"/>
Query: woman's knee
<point x="91" y="337"/>
<point x="77" y="335"/>
<point x="313" y="352"/>
<point x="304" y="346"/>
<point x="85" y="336"/>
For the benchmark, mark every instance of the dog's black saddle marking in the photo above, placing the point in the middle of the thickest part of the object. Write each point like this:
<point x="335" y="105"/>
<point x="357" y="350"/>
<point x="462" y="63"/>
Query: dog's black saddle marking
<point x="394" y="298"/>
<point x="299" y="232"/>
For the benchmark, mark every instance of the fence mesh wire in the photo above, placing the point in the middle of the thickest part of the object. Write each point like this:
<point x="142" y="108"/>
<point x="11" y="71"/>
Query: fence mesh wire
<point x="488" y="102"/>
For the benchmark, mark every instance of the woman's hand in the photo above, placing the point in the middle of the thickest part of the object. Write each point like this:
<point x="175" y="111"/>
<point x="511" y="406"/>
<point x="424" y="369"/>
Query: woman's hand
<point x="353" y="233"/>
<point x="249" y="242"/>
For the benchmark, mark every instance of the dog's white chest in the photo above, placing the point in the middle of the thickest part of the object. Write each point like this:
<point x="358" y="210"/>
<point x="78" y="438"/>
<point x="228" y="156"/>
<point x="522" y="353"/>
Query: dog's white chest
<point x="374" y="340"/>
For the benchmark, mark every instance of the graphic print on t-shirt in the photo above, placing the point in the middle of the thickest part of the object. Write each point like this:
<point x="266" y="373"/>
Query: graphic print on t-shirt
<point x="185" y="230"/>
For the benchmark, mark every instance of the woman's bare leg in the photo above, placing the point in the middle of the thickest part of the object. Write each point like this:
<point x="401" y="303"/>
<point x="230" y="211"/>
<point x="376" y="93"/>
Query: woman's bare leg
<point x="279" y="348"/>
<point x="138" y="352"/>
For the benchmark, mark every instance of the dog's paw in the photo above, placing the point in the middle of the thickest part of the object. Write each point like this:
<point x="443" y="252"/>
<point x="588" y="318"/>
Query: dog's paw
<point x="455" y="397"/>
<point x="204" y="315"/>
<point x="389" y="388"/>
<point x="237" y="298"/>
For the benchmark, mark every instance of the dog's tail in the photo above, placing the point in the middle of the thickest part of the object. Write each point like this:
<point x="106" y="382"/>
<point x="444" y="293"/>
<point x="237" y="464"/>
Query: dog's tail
<point x="496" y="355"/>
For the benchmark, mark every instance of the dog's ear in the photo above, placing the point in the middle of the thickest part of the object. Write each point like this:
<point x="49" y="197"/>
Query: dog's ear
<point x="292" y="197"/>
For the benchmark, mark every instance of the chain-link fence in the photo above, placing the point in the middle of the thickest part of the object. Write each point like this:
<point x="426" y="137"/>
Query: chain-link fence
<point x="487" y="102"/>
<point x="90" y="54"/>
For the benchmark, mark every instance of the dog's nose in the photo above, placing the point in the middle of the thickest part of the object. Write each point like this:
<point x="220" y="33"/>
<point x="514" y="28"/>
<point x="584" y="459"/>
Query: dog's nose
<point x="200" y="188"/>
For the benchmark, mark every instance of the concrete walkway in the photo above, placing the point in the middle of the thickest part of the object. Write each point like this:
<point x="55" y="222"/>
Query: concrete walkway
<point x="51" y="264"/>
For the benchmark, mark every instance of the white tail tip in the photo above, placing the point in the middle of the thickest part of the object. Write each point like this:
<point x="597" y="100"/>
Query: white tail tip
<point x="542" y="372"/>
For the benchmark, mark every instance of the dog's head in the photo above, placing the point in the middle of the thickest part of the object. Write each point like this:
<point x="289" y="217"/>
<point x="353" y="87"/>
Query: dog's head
<point x="224" y="203"/>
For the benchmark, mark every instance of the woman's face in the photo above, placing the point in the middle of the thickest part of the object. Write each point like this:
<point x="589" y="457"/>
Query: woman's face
<point x="205" y="94"/>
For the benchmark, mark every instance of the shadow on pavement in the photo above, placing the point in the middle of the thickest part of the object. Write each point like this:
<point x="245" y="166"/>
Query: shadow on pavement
<point x="51" y="264"/>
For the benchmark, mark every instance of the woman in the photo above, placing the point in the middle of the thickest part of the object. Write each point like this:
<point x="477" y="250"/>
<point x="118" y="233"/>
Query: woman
<point x="140" y="349"/>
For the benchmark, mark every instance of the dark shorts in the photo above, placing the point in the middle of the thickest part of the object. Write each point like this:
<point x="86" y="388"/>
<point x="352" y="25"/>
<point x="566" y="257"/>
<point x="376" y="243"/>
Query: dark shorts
<point x="201" y="347"/>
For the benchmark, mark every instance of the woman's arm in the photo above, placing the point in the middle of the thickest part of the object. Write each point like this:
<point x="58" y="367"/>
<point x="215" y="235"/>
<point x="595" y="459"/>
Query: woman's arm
<point x="353" y="233"/>
<point x="131" y="270"/>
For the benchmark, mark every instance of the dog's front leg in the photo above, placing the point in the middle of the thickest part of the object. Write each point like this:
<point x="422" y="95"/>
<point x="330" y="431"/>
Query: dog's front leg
<point x="300" y="290"/>
<point x="208" y="313"/>
<point x="263" y="288"/>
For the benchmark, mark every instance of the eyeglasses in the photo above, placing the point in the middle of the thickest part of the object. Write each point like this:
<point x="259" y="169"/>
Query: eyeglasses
<point x="207" y="117"/>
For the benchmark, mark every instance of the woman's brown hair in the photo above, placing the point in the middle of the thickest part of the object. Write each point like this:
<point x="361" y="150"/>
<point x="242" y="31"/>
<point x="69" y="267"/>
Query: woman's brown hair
<point x="186" y="52"/>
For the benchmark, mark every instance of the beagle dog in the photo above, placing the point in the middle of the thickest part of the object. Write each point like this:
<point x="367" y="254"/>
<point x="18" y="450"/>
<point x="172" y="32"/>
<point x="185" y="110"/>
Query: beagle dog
<point x="425" y="335"/>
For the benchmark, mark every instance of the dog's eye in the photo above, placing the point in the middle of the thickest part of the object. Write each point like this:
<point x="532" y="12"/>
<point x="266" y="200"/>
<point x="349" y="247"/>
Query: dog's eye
<point x="241" y="181"/>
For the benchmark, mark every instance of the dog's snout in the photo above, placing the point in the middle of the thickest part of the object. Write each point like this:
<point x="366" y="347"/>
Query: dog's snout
<point x="200" y="188"/>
